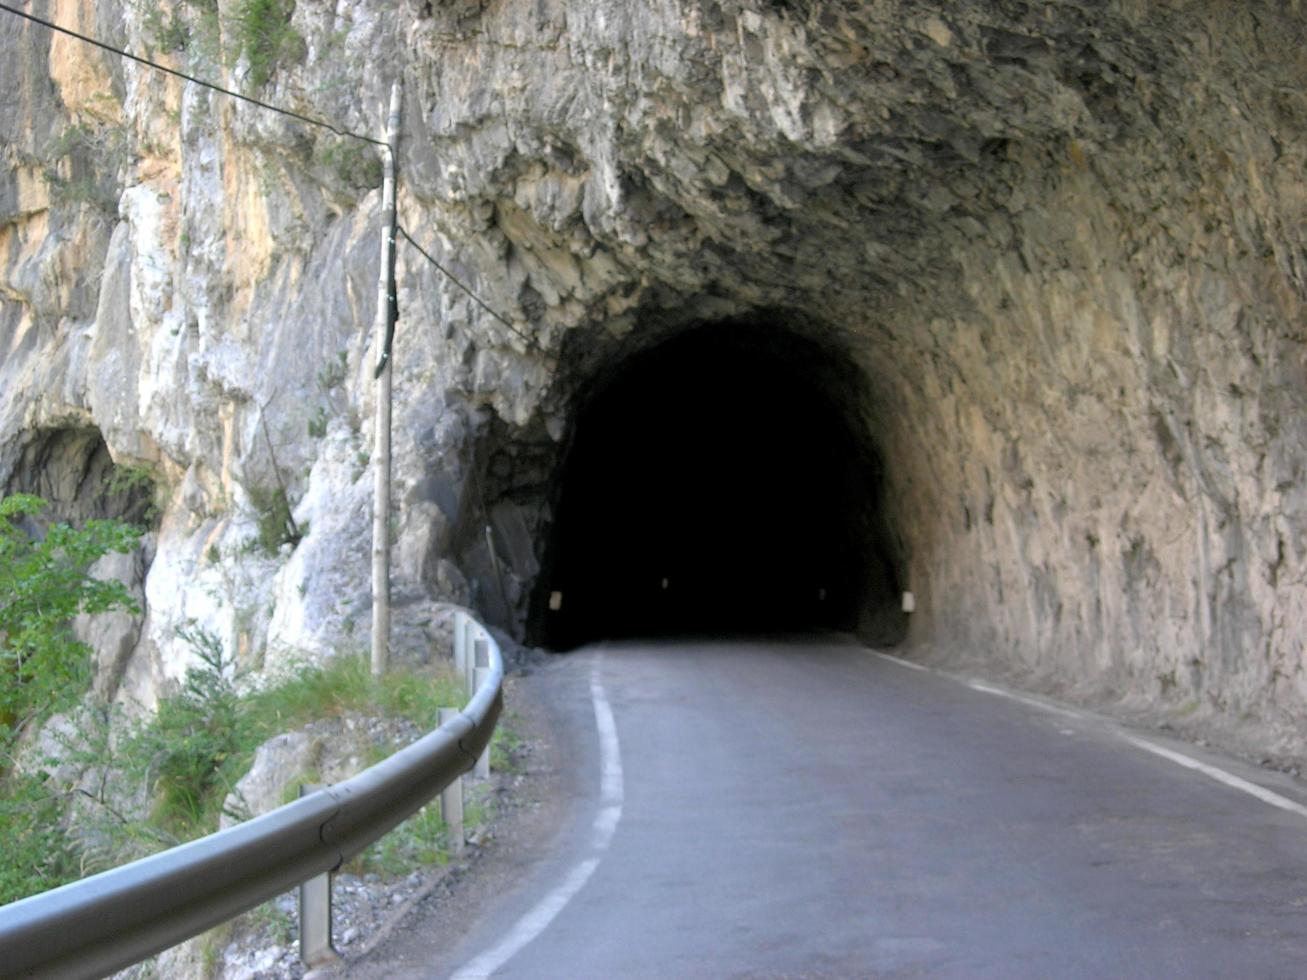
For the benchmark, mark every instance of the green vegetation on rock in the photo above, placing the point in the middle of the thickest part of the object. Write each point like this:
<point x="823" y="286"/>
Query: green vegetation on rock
<point x="163" y="780"/>
<point x="44" y="669"/>
<point x="44" y="584"/>
<point x="114" y="790"/>
<point x="265" y="36"/>
<point x="202" y="739"/>
<point x="275" y="522"/>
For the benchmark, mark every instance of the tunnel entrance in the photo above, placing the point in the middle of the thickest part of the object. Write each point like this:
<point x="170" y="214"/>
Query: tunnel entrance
<point x="716" y="483"/>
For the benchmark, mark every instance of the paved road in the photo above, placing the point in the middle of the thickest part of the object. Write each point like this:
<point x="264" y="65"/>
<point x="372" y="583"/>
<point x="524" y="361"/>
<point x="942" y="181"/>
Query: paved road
<point x="809" y="809"/>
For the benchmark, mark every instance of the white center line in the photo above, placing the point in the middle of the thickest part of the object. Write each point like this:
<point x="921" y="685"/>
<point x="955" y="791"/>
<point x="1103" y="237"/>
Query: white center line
<point x="534" y="922"/>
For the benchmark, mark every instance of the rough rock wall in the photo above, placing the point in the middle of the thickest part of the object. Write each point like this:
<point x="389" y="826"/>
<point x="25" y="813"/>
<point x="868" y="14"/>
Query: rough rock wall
<point x="1063" y="242"/>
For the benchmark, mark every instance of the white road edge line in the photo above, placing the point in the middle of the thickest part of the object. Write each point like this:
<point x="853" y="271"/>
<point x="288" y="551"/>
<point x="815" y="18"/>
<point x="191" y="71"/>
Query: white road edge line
<point x="1042" y="706"/>
<point x="611" y="794"/>
<point x="1221" y="776"/>
<point x="901" y="662"/>
<point x="1179" y="758"/>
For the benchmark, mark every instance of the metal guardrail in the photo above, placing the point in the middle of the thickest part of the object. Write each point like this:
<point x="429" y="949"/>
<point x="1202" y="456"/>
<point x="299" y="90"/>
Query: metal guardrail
<point x="100" y="924"/>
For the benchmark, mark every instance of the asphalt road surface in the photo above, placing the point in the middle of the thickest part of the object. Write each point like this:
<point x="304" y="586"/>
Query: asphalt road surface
<point x="808" y="808"/>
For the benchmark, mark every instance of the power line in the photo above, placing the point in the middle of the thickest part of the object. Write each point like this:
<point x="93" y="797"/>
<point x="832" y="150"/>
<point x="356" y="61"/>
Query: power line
<point x="190" y="78"/>
<point x="322" y="123"/>
<point x="525" y="338"/>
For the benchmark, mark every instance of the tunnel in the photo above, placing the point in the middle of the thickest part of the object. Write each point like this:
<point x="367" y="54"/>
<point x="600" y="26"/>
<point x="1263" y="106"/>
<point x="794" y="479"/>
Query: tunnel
<point x="716" y="484"/>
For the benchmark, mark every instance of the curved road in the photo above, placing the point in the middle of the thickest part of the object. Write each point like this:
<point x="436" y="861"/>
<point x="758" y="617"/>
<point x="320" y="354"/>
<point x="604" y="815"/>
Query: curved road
<point x="807" y="808"/>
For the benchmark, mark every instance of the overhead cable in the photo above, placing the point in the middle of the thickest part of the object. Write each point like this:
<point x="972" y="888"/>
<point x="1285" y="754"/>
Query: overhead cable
<point x="525" y="338"/>
<point x="312" y="121"/>
<point x="339" y="131"/>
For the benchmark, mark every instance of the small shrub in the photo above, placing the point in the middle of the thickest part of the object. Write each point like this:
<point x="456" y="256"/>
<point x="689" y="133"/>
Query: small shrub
<point x="345" y="684"/>
<point x="201" y="742"/>
<point x="279" y="923"/>
<point x="206" y="31"/>
<point x="318" y="424"/>
<point x="333" y="375"/>
<point x="94" y="154"/>
<point x="265" y="36"/>
<point x="129" y="479"/>
<point x="272" y="513"/>
<point x="197" y="740"/>
<point x="351" y="163"/>
<point x="80" y="190"/>
<point x="137" y="485"/>
<point x="189" y="756"/>
<point x="166" y="32"/>
<point x="418" y="696"/>
<point x="507" y="746"/>
<point x="421" y="839"/>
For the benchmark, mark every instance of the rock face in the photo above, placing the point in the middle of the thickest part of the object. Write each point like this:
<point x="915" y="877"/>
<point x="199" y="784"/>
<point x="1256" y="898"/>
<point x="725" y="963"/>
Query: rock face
<point x="1054" y="257"/>
<point x="327" y="751"/>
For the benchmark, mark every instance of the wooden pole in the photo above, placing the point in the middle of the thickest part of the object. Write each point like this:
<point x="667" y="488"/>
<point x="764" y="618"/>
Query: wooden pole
<point x="383" y="334"/>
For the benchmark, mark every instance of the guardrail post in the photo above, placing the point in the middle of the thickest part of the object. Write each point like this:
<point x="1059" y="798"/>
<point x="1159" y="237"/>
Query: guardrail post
<point x="451" y="798"/>
<point x="315" y="912"/>
<point x="460" y="644"/>
<point x="481" y="675"/>
<point x="480" y="658"/>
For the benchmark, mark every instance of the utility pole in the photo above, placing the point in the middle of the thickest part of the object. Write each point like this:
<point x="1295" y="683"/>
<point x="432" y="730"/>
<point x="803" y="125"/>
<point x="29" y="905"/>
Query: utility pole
<point x="383" y="336"/>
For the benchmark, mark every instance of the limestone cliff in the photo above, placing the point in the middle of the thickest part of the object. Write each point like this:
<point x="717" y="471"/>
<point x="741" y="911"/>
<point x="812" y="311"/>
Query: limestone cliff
<point x="1063" y="245"/>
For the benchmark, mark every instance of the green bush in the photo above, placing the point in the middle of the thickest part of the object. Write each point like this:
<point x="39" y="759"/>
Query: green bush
<point x="273" y="518"/>
<point x="196" y="739"/>
<point x="44" y="669"/>
<point x="37" y="852"/>
<point x="44" y="584"/>
<point x="345" y="685"/>
<point x="333" y="375"/>
<point x="166" y="33"/>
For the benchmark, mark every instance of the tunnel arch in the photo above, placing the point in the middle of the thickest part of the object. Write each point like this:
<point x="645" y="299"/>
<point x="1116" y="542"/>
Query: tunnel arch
<point x="720" y="480"/>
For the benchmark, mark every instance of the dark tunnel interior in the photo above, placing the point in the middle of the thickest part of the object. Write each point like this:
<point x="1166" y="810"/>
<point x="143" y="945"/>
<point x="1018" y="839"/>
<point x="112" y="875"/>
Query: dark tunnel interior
<point x="714" y="485"/>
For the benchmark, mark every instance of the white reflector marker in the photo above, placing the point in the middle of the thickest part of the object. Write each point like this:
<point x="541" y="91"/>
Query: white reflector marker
<point x="555" y="601"/>
<point x="909" y="602"/>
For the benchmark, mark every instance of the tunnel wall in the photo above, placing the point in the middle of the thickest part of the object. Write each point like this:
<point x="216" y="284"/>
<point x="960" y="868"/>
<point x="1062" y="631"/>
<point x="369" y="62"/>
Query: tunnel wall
<point x="1098" y="452"/>
<point x="1066" y="251"/>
